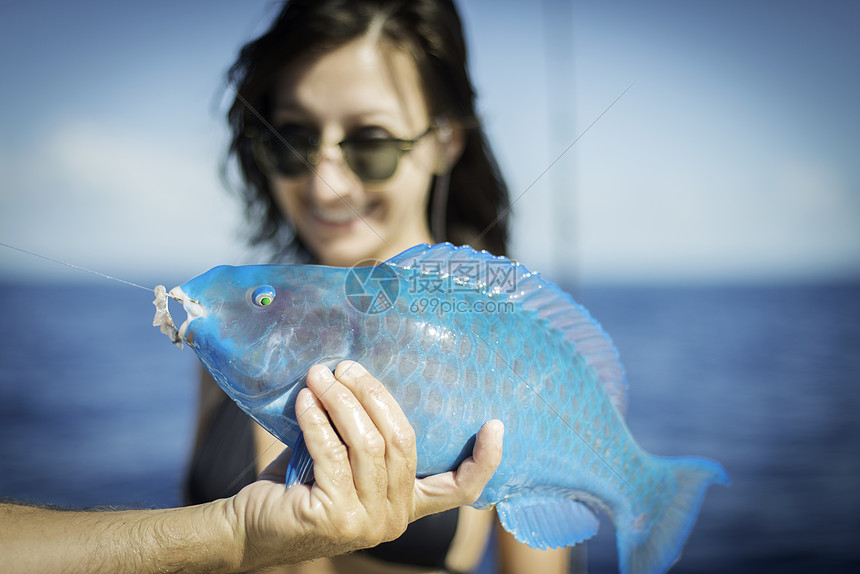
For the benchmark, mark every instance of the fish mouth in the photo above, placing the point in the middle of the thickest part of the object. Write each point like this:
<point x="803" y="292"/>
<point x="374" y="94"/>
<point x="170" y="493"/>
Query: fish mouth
<point x="193" y="310"/>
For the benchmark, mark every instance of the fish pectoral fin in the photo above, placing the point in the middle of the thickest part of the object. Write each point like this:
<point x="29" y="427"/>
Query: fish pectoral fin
<point x="300" y="470"/>
<point x="543" y="521"/>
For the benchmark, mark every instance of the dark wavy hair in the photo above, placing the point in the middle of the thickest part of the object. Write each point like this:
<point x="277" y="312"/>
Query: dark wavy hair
<point x="430" y="30"/>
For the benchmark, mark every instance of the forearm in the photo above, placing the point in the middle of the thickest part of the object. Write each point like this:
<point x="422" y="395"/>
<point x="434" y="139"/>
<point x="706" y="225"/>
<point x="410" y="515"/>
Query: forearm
<point x="364" y="492"/>
<point x="194" y="539"/>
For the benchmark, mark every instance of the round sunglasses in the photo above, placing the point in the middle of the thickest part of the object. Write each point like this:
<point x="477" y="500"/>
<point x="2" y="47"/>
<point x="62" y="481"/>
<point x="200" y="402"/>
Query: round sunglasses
<point x="293" y="151"/>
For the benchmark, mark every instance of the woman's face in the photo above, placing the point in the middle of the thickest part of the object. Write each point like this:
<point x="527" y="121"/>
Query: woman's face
<point x="362" y="89"/>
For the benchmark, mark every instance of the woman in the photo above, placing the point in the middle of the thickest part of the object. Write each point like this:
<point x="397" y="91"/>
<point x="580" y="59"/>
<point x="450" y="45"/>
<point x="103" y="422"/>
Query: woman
<point x="355" y="132"/>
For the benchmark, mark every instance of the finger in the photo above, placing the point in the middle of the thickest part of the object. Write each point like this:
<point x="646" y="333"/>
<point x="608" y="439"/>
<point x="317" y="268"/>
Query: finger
<point x="462" y="486"/>
<point x="365" y="445"/>
<point x="332" y="471"/>
<point x="380" y="406"/>
<point x="392" y="424"/>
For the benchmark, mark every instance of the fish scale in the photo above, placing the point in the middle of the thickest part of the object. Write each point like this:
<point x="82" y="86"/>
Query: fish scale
<point x="510" y="346"/>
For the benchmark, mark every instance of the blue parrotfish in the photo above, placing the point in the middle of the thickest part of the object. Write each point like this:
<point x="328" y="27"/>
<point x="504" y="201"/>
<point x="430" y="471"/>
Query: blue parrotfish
<point x="459" y="337"/>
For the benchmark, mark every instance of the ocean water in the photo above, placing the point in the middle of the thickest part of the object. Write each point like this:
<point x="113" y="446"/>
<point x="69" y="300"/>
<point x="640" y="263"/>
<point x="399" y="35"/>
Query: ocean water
<point x="97" y="409"/>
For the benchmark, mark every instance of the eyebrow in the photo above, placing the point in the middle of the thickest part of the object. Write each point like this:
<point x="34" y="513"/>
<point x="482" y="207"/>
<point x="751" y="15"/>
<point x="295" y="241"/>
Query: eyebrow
<point x="371" y="117"/>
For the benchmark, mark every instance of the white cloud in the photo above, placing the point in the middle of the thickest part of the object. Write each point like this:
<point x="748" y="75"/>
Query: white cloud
<point x="120" y="201"/>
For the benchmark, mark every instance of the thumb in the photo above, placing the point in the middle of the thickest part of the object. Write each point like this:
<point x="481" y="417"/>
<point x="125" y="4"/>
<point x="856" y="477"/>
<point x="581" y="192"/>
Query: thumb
<point x="455" y="488"/>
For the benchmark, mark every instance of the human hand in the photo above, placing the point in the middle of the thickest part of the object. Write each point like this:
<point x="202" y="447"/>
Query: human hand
<point x="364" y="490"/>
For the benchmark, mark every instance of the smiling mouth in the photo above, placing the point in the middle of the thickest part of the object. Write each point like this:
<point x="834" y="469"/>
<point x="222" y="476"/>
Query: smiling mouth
<point x="341" y="216"/>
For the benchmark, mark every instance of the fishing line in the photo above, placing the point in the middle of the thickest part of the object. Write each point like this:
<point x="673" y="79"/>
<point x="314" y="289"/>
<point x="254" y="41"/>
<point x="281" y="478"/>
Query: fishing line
<point x="556" y="413"/>
<point x="73" y="266"/>
<point x="271" y="128"/>
<point x="503" y="214"/>
<point x="550" y="166"/>
<point x="311" y="168"/>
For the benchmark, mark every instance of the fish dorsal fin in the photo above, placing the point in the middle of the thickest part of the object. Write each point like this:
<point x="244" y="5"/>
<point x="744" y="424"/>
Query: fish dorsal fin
<point x="580" y="329"/>
<point x="547" y="521"/>
<point x="500" y="277"/>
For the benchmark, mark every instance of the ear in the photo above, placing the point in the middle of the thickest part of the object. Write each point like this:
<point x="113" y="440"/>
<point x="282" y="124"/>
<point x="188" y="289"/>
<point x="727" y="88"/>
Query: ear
<point x="451" y="138"/>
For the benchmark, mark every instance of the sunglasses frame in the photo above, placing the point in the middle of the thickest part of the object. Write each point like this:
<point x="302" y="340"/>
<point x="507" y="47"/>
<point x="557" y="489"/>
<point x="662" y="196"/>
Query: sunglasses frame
<point x="262" y="141"/>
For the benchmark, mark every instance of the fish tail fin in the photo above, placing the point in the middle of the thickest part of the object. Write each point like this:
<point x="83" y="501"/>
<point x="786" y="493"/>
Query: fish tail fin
<point x="652" y="541"/>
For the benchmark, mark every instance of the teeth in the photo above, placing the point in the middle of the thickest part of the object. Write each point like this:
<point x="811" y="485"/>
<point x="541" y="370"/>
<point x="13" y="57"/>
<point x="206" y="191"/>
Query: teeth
<point x="335" y="215"/>
<point x="193" y="309"/>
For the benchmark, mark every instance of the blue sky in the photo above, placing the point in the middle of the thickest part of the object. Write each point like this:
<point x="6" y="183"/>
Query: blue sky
<point x="733" y="156"/>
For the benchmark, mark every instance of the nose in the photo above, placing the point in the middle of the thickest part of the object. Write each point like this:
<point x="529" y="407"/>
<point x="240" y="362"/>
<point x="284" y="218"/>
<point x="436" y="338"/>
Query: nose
<point x="332" y="180"/>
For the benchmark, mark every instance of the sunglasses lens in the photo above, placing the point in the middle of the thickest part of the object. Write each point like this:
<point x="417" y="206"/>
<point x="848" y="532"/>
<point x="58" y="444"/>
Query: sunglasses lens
<point x="372" y="160"/>
<point x="293" y="150"/>
<point x="285" y="153"/>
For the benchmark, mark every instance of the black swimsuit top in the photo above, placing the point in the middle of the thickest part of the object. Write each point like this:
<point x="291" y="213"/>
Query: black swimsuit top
<point x="224" y="463"/>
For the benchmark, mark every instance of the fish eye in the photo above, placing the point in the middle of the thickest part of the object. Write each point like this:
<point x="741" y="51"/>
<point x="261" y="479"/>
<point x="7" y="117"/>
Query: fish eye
<point x="263" y="295"/>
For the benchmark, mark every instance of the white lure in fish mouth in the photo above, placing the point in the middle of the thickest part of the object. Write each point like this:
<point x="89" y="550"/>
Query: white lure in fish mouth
<point x="193" y="309"/>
